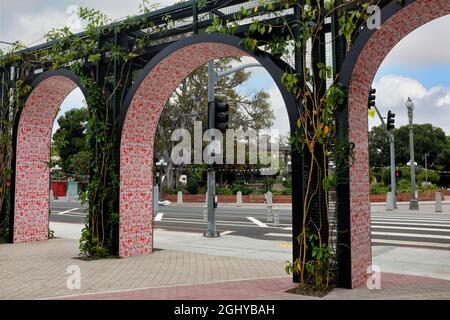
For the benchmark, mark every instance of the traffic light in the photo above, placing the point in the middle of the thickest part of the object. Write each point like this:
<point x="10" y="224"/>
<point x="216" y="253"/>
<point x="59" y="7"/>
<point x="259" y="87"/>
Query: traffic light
<point x="372" y="97"/>
<point x="390" y="121"/>
<point x="221" y="115"/>
<point x="398" y="174"/>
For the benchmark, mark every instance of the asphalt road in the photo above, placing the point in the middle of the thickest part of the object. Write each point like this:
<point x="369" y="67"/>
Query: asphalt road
<point x="399" y="228"/>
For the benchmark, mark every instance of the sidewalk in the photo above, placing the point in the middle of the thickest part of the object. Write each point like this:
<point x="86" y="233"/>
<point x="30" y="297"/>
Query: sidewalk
<point x="188" y="266"/>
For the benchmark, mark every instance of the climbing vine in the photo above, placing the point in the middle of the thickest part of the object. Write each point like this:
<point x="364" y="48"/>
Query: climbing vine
<point x="320" y="96"/>
<point x="92" y="58"/>
<point x="104" y="68"/>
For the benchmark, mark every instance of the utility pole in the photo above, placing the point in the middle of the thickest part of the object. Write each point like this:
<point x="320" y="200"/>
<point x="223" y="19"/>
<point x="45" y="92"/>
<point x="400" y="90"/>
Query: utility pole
<point x="213" y="77"/>
<point x="413" y="203"/>
<point x="392" y="153"/>
<point x="211" y="203"/>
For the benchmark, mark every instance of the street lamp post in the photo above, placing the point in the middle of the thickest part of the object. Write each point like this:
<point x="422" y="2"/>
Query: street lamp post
<point x="160" y="165"/>
<point x="413" y="203"/>
<point x="213" y="78"/>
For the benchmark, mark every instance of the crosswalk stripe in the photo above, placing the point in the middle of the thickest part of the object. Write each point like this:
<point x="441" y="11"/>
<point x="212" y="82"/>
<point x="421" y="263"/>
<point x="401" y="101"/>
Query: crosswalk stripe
<point x="411" y="224"/>
<point x="411" y="235"/>
<point x="410" y="228"/>
<point x="257" y="222"/>
<point x="159" y="216"/>
<point x="410" y="219"/>
<point x="411" y="243"/>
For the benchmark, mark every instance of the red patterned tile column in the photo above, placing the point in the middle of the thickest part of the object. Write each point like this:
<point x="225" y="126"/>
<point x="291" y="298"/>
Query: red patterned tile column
<point x="376" y="49"/>
<point x="33" y="153"/>
<point x="138" y="136"/>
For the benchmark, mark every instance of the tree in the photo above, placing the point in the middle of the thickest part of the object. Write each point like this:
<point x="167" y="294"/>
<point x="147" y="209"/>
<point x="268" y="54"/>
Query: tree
<point x="247" y="110"/>
<point x="378" y="147"/>
<point x="427" y="139"/>
<point x="70" y="141"/>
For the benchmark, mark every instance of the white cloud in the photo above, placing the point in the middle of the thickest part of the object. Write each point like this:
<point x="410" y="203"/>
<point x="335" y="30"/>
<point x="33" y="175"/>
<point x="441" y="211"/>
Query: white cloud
<point x="428" y="44"/>
<point x="431" y="106"/>
<point x="279" y="108"/>
<point x="29" y="21"/>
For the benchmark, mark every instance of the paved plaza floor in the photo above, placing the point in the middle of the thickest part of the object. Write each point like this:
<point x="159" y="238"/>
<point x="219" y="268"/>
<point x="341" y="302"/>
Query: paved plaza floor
<point x="187" y="266"/>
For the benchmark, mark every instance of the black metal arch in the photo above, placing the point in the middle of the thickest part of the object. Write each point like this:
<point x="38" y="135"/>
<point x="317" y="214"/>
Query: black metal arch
<point x="363" y="37"/>
<point x="342" y="128"/>
<point x="275" y="67"/>
<point x="40" y="78"/>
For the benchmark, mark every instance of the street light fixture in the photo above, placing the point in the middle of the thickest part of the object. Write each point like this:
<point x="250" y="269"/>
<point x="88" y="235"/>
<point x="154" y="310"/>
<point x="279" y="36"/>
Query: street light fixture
<point x="413" y="203"/>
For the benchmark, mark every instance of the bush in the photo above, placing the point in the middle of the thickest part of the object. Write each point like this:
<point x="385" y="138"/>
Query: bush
<point x="433" y="177"/>
<point x="403" y="186"/>
<point x="224" y="191"/>
<point x="378" y="188"/>
<point x="386" y="176"/>
<point x="167" y="190"/>
<point x="287" y="191"/>
<point x="192" y="185"/>
<point x="429" y="188"/>
<point x="245" y="190"/>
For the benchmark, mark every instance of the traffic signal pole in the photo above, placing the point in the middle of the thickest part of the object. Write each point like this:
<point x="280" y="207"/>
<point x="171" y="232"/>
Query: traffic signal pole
<point x="212" y="80"/>
<point x="213" y="77"/>
<point x="392" y="156"/>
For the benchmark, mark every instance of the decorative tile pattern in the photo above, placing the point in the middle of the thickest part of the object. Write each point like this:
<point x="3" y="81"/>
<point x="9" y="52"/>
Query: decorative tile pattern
<point x="376" y="49"/>
<point x="33" y="154"/>
<point x="138" y="136"/>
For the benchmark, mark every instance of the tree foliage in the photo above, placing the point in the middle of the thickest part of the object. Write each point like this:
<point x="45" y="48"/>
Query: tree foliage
<point x="427" y="140"/>
<point x="71" y="143"/>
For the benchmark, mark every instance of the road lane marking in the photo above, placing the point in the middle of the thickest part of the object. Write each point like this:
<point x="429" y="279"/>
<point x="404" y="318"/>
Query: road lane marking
<point x="226" y="232"/>
<point x="67" y="211"/>
<point x="287" y="228"/>
<point x="257" y="222"/>
<point x="159" y="216"/>
<point x="285" y="235"/>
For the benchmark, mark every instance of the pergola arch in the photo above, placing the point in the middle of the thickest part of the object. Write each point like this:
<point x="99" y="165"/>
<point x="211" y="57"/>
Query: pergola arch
<point x="31" y="154"/>
<point x="140" y="116"/>
<point x="358" y="72"/>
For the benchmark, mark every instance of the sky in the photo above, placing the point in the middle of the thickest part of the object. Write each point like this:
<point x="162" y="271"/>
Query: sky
<point x="418" y="67"/>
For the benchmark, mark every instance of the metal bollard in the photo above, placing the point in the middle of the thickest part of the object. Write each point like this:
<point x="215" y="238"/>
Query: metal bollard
<point x="179" y="198"/>
<point x="205" y="209"/>
<point x="389" y="202"/>
<point x="269" y="213"/>
<point x="276" y="217"/>
<point x="438" y="206"/>
<point x="239" y="199"/>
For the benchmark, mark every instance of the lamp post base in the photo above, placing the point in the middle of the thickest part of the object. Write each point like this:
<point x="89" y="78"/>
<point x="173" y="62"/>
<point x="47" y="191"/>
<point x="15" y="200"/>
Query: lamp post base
<point x="413" y="204"/>
<point x="208" y="235"/>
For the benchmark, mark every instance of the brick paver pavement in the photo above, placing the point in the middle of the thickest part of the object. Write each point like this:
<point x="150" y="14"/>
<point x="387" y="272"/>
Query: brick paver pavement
<point x="38" y="270"/>
<point x="394" y="286"/>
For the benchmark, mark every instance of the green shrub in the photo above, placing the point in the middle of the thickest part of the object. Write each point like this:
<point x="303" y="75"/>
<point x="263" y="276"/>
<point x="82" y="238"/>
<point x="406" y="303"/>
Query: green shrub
<point x="433" y="177"/>
<point x="287" y="191"/>
<point x="224" y="191"/>
<point x="245" y="190"/>
<point x="192" y="185"/>
<point x="378" y="188"/>
<point x="403" y="186"/>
